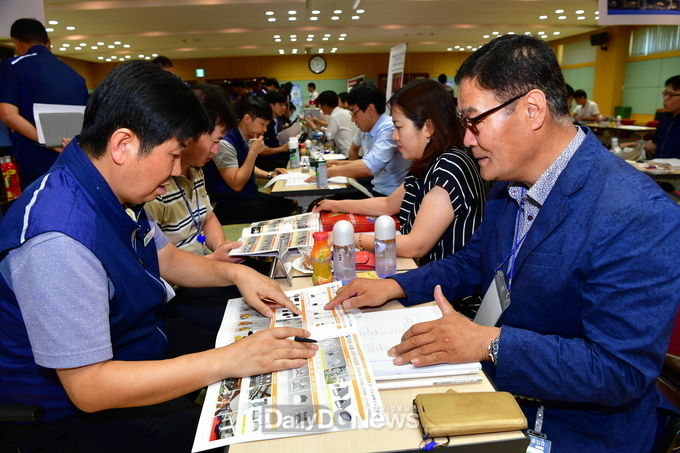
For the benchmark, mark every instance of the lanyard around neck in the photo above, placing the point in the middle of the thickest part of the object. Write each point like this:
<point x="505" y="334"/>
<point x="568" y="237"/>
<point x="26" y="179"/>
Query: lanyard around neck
<point x="200" y="237"/>
<point x="516" y="243"/>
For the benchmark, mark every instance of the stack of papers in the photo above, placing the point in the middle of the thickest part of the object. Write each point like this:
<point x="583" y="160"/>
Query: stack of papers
<point x="264" y="238"/>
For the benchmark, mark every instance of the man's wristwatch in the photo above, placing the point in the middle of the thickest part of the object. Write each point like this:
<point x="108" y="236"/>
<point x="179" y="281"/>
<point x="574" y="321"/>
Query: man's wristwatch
<point x="493" y="349"/>
<point x="270" y="174"/>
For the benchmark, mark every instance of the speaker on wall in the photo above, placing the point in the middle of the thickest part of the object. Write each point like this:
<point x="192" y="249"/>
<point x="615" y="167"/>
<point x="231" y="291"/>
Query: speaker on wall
<point x="600" y="39"/>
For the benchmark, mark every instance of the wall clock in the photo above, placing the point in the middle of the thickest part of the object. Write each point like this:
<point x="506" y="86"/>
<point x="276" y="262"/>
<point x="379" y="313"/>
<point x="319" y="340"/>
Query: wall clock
<point x="317" y="64"/>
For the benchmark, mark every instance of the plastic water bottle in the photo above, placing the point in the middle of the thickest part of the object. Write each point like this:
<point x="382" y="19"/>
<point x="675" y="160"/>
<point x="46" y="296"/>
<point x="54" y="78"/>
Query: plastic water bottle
<point x="615" y="148"/>
<point x="618" y="120"/>
<point x="344" y="263"/>
<point x="640" y="146"/>
<point x="10" y="177"/>
<point x="294" y="152"/>
<point x="385" y="246"/>
<point x="321" y="173"/>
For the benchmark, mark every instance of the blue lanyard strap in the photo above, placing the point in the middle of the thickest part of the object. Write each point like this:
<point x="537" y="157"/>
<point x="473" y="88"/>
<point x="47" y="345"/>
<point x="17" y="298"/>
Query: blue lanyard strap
<point x="200" y="237"/>
<point x="516" y="244"/>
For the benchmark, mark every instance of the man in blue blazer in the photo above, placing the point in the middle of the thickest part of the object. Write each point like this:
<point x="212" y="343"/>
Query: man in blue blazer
<point x="588" y="247"/>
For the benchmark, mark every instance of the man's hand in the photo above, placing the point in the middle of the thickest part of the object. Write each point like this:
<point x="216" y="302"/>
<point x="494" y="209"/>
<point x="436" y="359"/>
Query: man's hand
<point x="261" y="293"/>
<point x="366" y="292"/>
<point x="324" y="205"/>
<point x="270" y="350"/>
<point x="453" y="338"/>
<point x="311" y="179"/>
<point x="221" y="252"/>
<point x="256" y="145"/>
<point x="280" y="171"/>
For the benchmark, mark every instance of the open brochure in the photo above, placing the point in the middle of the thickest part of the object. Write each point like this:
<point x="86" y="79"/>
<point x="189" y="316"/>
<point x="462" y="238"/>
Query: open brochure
<point x="264" y="238"/>
<point x="335" y="391"/>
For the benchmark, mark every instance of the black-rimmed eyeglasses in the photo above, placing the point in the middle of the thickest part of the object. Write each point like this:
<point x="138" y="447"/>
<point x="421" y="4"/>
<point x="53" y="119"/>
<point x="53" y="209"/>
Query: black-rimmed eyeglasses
<point x="471" y="123"/>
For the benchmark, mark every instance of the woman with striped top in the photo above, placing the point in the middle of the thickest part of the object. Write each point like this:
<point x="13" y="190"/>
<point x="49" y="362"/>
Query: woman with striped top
<point x="441" y="201"/>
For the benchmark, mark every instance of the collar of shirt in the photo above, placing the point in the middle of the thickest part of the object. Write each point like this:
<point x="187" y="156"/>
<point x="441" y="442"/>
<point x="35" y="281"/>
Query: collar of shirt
<point x="532" y="199"/>
<point x="377" y="127"/>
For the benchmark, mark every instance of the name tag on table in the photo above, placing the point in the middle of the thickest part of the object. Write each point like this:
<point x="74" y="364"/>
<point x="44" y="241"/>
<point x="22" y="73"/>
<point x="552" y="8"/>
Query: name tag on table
<point x="496" y="300"/>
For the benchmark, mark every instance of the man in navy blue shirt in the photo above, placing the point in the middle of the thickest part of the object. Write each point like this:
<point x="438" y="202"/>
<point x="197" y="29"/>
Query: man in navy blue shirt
<point x="666" y="141"/>
<point x="34" y="76"/>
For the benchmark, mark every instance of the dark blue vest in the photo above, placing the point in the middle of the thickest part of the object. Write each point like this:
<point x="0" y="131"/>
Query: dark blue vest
<point x="74" y="199"/>
<point x="220" y="190"/>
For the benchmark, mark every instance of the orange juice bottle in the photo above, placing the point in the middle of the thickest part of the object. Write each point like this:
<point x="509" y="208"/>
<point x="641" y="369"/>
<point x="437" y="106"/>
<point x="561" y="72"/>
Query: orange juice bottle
<point x="321" y="259"/>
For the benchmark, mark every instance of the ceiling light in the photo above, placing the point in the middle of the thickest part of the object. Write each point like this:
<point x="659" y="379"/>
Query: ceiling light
<point x="111" y="46"/>
<point x="327" y="35"/>
<point x="457" y="47"/>
<point x="527" y="32"/>
<point x="271" y="19"/>
<point x="294" y="51"/>
<point x="341" y="39"/>
<point x="556" y="33"/>
<point x="94" y="47"/>
<point x="293" y="36"/>
<point x="281" y="51"/>
<point x="108" y="59"/>
<point x="83" y="44"/>
<point x="310" y="35"/>
<point x="127" y="56"/>
<point x="66" y="45"/>
<point x="313" y="18"/>
<point x="78" y="48"/>
<point x="543" y="17"/>
<point x="310" y="39"/>
<point x="597" y="13"/>
<point x="360" y="11"/>
<point x="342" y="35"/>
<point x="62" y="49"/>
<point x="100" y="58"/>
<point x="113" y="57"/>
<point x="561" y="17"/>
<point x="118" y="43"/>
<point x="141" y="55"/>
<point x="277" y="40"/>
<point x="356" y="17"/>
<point x="511" y="32"/>
<point x="581" y="18"/>
<point x="70" y="28"/>
<point x="324" y="38"/>
<point x="333" y="50"/>
<point x="292" y="18"/>
<point x="127" y="46"/>
<point x="321" y="50"/>
<point x="53" y="22"/>
<point x="154" y="55"/>
<point x="337" y="11"/>
<point x="269" y="13"/>
<point x="559" y="11"/>
<point x="486" y="36"/>
<point x="316" y="11"/>
<point x="277" y="36"/>
<point x="293" y="39"/>
<point x="49" y="29"/>
<point x="449" y="49"/>
<point x="541" y="33"/>
<point x="579" y="11"/>
<point x="495" y="33"/>
<point x="292" y="12"/>
<point x="335" y="17"/>
<point x="100" y="43"/>
<point x="544" y="36"/>
<point x="147" y="58"/>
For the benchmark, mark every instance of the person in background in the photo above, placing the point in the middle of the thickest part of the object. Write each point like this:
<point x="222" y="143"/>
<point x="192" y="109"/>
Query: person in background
<point x="444" y="81"/>
<point x="586" y="110"/>
<point x="340" y="127"/>
<point x="185" y="215"/>
<point x="240" y="90"/>
<point x="164" y="63"/>
<point x="232" y="172"/>
<point x="313" y="94"/>
<point x="381" y="161"/>
<point x="82" y="286"/>
<point x="583" y="338"/>
<point x="441" y="201"/>
<point x="268" y="84"/>
<point x="570" y="96"/>
<point x="35" y="75"/>
<point x="275" y="154"/>
<point x="666" y="141"/>
<point x="342" y="100"/>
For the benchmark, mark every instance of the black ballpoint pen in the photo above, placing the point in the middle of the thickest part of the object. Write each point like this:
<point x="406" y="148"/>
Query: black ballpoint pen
<point x="304" y="339"/>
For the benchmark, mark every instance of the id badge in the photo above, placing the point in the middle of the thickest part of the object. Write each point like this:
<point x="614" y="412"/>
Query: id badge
<point x="496" y="300"/>
<point x="538" y="444"/>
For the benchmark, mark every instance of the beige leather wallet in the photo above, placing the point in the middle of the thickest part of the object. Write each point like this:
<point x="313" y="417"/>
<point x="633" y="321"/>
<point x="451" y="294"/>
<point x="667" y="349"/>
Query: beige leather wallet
<point x="455" y="414"/>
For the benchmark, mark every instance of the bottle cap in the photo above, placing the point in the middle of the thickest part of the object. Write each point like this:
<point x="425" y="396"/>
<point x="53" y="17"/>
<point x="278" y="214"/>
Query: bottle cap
<point x="343" y="233"/>
<point x="385" y="227"/>
<point x="292" y="142"/>
<point x="320" y="236"/>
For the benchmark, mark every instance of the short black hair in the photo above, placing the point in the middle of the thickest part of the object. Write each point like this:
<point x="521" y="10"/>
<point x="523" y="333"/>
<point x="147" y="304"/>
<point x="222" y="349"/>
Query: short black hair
<point x="255" y="107"/>
<point x="268" y="82"/>
<point x="29" y="30"/>
<point x="275" y="97"/>
<point x="342" y="96"/>
<point x="329" y="98"/>
<point x="442" y="78"/>
<point x="674" y="82"/>
<point x="570" y="91"/>
<point x="426" y="99"/>
<point x="580" y="94"/>
<point x="216" y="105"/>
<point x="511" y="65"/>
<point x="312" y="84"/>
<point x="162" y="61"/>
<point x="140" y="96"/>
<point x="365" y="93"/>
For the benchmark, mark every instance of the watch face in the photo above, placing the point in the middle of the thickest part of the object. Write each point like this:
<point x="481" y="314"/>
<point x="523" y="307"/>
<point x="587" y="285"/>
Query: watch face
<point x="317" y="64"/>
